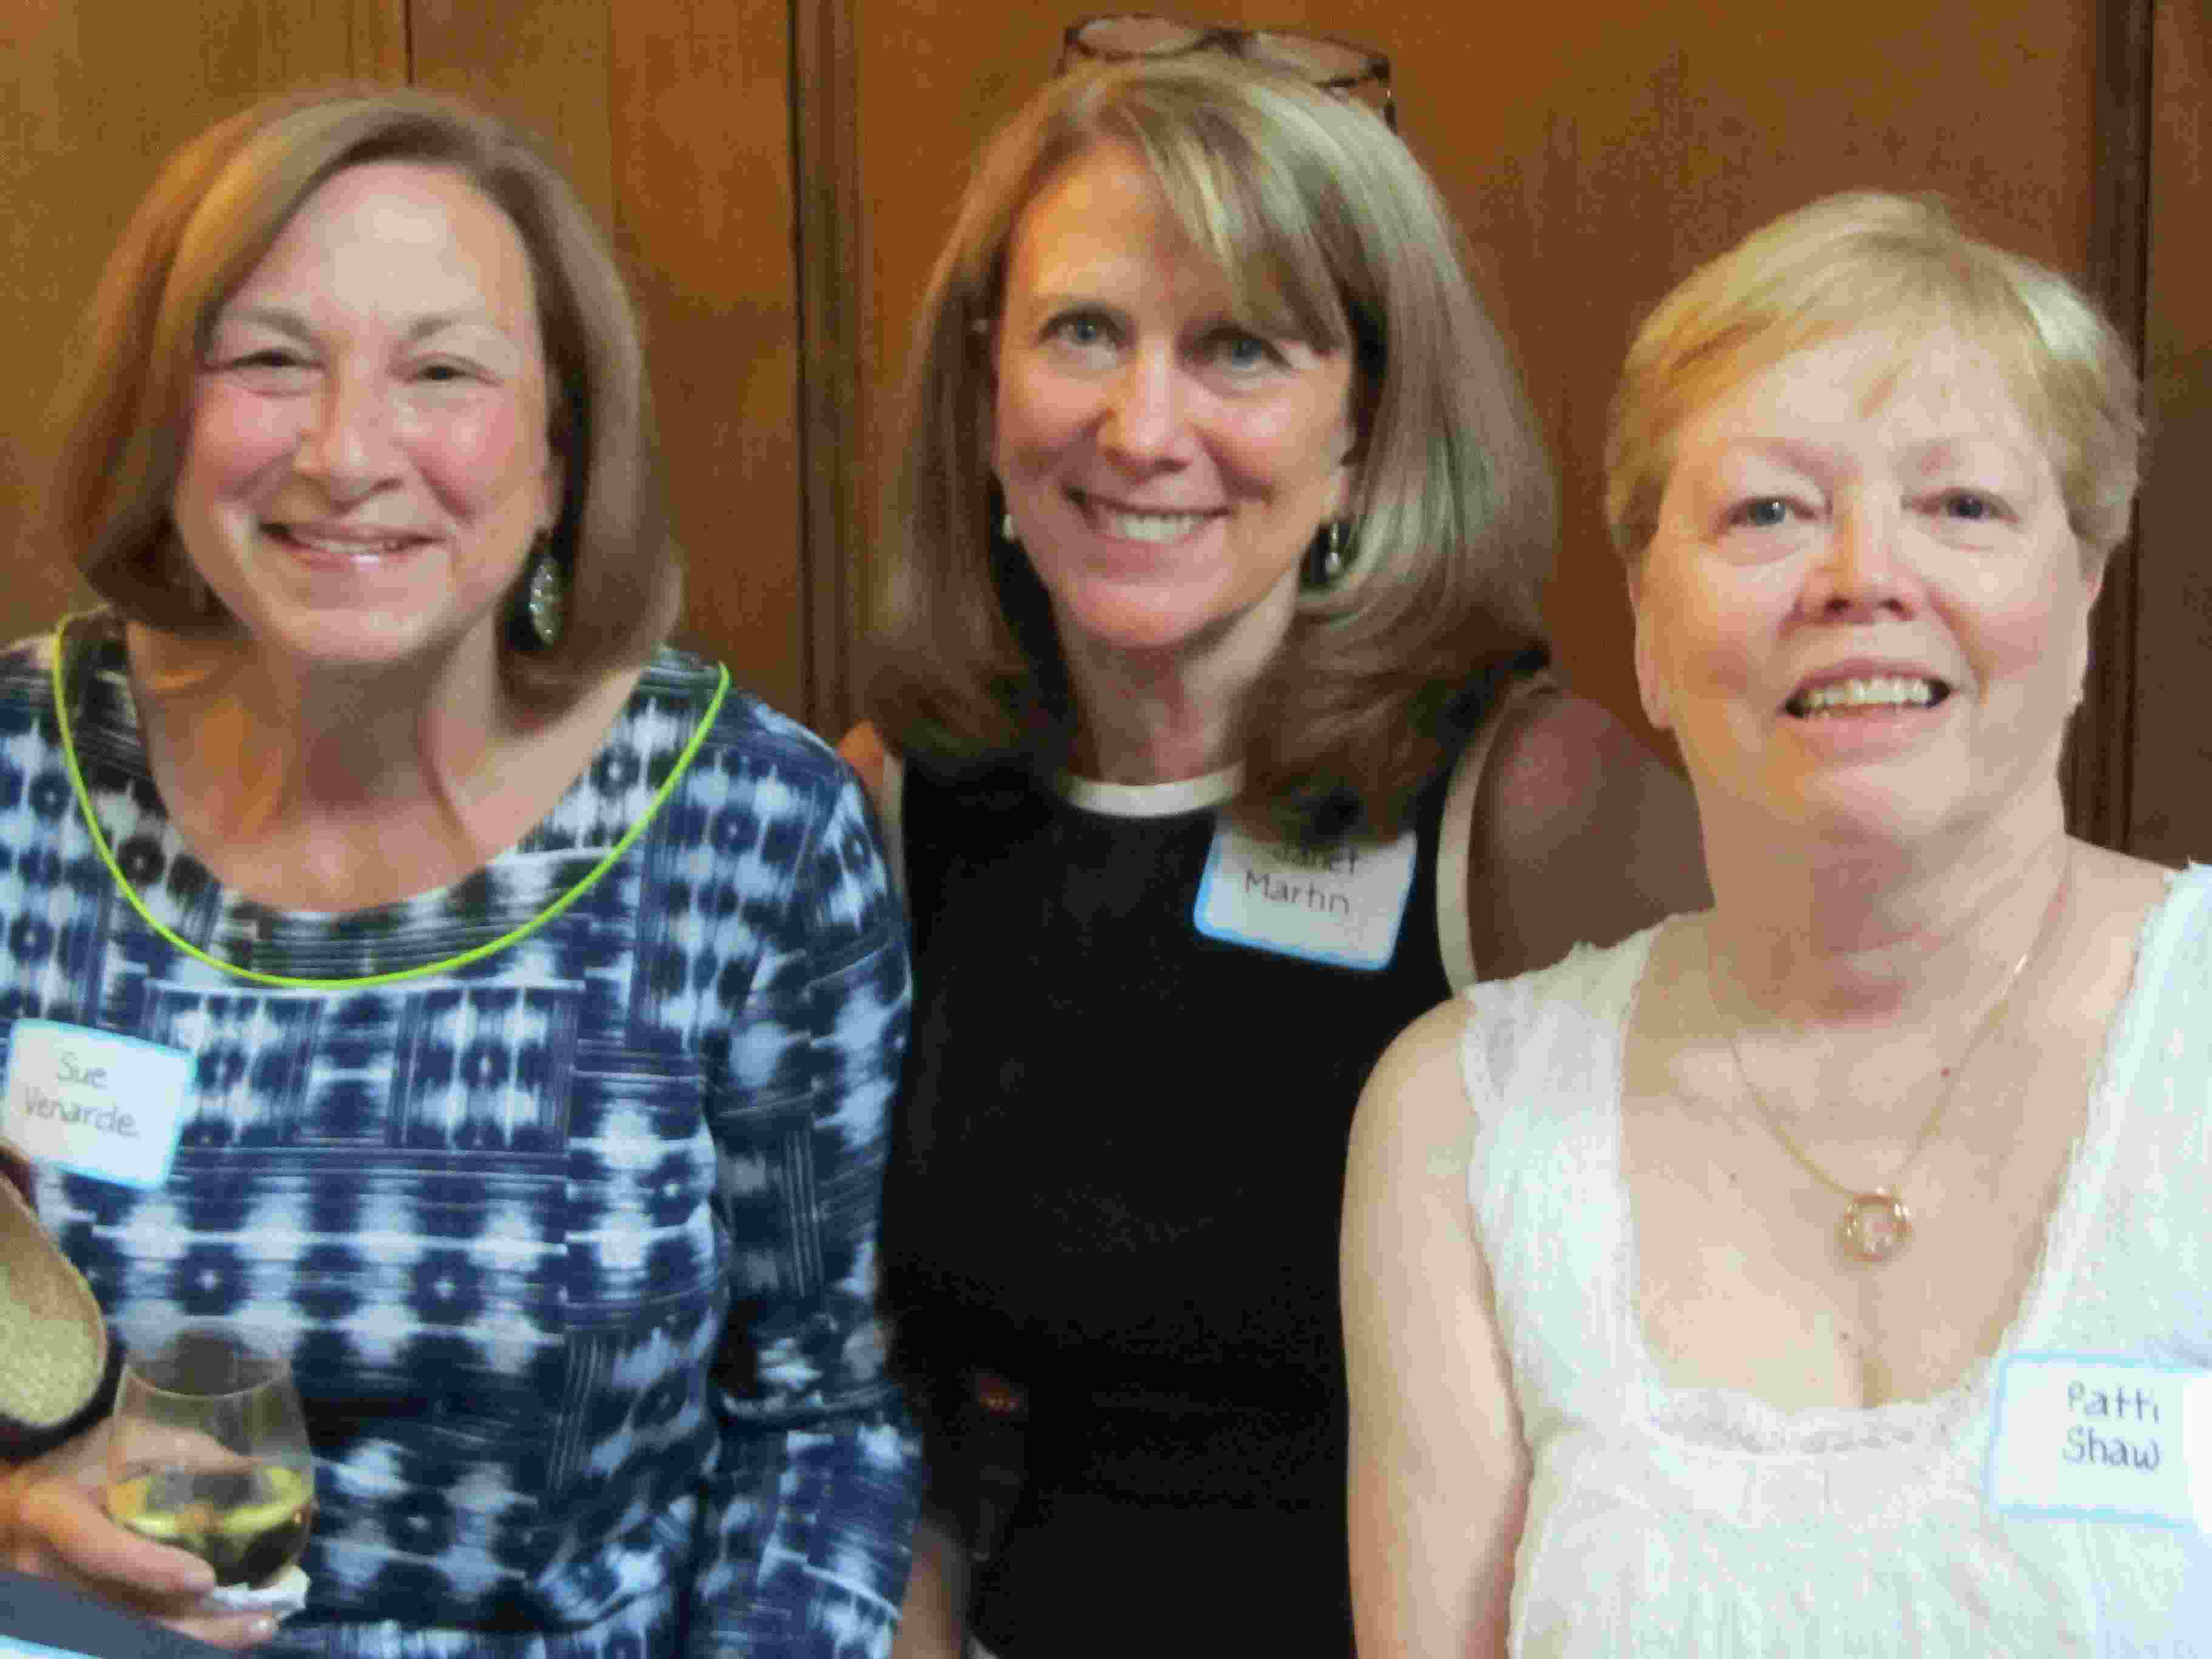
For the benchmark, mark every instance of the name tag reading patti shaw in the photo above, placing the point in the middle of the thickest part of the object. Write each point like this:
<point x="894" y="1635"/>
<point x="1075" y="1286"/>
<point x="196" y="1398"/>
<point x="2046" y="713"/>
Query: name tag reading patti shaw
<point x="2080" y="1436"/>
<point x="1341" y="904"/>
<point x="94" y="1104"/>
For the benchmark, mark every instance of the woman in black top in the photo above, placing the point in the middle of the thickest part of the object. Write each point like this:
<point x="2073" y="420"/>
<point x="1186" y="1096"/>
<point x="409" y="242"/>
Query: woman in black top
<point x="1212" y="726"/>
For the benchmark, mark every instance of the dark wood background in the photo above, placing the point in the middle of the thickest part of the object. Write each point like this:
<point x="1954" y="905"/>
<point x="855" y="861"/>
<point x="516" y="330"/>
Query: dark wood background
<point x="777" y="175"/>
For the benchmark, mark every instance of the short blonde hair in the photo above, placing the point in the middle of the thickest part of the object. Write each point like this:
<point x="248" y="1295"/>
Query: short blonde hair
<point x="213" y="214"/>
<point x="1326" y="230"/>
<point x="1871" y="260"/>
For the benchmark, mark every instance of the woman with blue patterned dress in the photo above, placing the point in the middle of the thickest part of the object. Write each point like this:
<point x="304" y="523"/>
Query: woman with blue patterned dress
<point x="509" y="1010"/>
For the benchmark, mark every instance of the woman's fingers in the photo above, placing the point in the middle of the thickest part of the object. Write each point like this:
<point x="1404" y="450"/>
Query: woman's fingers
<point x="60" y="1532"/>
<point x="58" y="1519"/>
<point x="219" y="1630"/>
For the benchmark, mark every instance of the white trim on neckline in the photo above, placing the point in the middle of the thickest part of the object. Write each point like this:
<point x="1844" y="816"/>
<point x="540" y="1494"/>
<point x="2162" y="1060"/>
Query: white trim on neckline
<point x="1151" y="800"/>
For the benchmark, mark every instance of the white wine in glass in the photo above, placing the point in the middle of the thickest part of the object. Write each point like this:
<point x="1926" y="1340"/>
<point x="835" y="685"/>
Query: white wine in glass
<point x="207" y="1451"/>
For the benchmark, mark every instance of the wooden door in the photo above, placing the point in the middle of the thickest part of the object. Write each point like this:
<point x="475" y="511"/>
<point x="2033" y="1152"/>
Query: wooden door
<point x="2154" y="784"/>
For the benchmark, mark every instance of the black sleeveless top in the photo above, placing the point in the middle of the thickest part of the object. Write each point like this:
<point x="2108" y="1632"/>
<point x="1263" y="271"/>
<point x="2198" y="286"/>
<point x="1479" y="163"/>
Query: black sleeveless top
<point x="1117" y="1184"/>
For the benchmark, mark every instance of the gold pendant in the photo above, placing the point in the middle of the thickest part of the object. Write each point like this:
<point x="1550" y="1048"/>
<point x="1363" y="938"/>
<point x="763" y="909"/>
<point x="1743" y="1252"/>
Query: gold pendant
<point x="1876" y="1226"/>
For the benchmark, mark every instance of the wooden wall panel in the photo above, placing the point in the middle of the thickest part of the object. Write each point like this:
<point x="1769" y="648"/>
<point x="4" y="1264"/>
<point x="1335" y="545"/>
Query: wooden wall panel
<point x="1596" y="152"/>
<point x="2169" y="806"/>
<point x="703" y="188"/>
<point x="96" y="94"/>
<point x="542" y="63"/>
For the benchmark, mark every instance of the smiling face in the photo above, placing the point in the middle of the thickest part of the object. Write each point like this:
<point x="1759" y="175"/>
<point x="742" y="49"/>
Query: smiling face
<point x="367" y="458"/>
<point x="1166" y="464"/>
<point x="1864" y="613"/>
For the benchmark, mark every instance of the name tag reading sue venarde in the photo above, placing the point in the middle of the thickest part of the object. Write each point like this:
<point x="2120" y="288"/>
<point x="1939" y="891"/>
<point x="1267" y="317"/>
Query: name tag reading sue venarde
<point x="1342" y="903"/>
<point x="92" y="1102"/>
<point x="2084" y="1437"/>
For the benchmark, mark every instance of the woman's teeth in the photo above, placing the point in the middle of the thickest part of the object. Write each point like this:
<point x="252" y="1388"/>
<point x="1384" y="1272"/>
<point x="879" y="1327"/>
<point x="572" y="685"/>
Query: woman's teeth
<point x="1146" y="526"/>
<point x="344" y="546"/>
<point x="1876" y="691"/>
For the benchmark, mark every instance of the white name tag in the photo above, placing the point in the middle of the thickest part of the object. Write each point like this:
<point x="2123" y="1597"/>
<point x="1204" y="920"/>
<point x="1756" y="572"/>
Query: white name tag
<point x="1342" y="904"/>
<point x="92" y="1102"/>
<point x="2080" y="1436"/>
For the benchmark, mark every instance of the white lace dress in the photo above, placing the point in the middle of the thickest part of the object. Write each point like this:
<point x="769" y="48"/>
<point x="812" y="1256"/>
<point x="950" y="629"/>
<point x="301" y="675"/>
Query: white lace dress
<point x="1665" y="1520"/>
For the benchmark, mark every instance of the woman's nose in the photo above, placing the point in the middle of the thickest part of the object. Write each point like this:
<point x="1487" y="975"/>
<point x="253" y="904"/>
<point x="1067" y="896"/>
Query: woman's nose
<point x="1864" y="569"/>
<point x="1144" y="411"/>
<point x="349" y="446"/>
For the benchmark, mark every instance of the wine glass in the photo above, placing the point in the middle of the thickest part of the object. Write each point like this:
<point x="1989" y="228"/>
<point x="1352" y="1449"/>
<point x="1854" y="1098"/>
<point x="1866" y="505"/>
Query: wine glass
<point x="207" y="1451"/>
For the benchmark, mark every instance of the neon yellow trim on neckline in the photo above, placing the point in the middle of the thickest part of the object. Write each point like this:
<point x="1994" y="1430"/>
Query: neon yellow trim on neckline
<point x="291" y="982"/>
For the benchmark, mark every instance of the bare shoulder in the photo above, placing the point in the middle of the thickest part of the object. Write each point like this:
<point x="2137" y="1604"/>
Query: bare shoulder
<point x="1414" y="1110"/>
<point x="862" y="748"/>
<point x="1582" y="836"/>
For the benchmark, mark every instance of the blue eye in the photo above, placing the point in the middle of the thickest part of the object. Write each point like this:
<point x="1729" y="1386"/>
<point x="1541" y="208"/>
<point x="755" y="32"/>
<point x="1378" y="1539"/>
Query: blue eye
<point x="1081" y="328"/>
<point x="1241" y="348"/>
<point x="1969" y="505"/>
<point x="1760" y="512"/>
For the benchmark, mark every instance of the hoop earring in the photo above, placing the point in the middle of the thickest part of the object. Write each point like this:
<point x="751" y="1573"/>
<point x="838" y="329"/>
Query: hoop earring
<point x="545" y="596"/>
<point x="1329" y="555"/>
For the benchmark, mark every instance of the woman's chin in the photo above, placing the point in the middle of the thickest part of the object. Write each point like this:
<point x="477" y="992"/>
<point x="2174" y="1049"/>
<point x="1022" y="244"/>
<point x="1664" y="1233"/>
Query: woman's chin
<point x="362" y="641"/>
<point x="1152" y="619"/>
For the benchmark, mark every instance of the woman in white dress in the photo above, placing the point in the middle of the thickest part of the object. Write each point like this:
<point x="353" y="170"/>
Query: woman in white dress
<point x="1820" y="1272"/>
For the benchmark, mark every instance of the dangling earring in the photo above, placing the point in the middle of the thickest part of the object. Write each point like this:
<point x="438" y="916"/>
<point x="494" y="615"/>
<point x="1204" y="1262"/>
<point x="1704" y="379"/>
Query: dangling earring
<point x="1006" y="531"/>
<point x="1326" y="559"/>
<point x="545" y="594"/>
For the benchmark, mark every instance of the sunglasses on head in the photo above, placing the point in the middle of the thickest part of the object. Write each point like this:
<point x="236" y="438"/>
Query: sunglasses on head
<point x="1341" y="66"/>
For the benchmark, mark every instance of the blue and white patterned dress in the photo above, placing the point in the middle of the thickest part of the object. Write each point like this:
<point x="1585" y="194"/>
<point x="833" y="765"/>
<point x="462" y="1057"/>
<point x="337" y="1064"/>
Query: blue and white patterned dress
<point x="574" y="1249"/>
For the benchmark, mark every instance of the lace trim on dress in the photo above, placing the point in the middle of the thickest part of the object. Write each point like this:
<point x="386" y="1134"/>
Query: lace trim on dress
<point x="1729" y="1419"/>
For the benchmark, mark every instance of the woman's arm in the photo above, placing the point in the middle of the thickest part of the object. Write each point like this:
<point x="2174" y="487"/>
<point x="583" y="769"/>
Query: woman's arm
<point x="813" y="1506"/>
<point x="929" y="1618"/>
<point x="1439" y="1477"/>
<point x="864" y="751"/>
<point x="929" y="1621"/>
<point x="1581" y="835"/>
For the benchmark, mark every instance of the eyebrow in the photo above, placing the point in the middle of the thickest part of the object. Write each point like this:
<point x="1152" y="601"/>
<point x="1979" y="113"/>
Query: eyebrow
<point x="1805" y="455"/>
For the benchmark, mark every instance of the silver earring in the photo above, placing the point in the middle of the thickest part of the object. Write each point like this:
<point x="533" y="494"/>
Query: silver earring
<point x="1006" y="531"/>
<point x="545" y="594"/>
<point x="1326" y="560"/>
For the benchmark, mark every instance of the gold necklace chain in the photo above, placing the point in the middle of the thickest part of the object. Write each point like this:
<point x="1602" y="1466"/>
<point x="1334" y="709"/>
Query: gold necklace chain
<point x="1876" y="1224"/>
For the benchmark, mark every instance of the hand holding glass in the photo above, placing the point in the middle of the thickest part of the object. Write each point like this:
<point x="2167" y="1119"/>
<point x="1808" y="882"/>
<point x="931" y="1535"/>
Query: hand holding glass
<point x="208" y="1452"/>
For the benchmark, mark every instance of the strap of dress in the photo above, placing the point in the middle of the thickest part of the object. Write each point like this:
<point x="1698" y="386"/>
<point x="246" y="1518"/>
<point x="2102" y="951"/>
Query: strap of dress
<point x="1454" y="844"/>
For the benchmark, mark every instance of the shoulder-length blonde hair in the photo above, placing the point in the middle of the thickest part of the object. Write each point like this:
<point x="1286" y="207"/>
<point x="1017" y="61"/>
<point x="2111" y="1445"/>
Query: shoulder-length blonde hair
<point x="1867" y="260"/>
<point x="212" y="215"/>
<point x="1327" y="231"/>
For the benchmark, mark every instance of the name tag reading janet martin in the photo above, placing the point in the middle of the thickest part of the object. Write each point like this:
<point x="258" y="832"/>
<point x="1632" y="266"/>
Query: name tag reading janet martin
<point x="1342" y="903"/>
